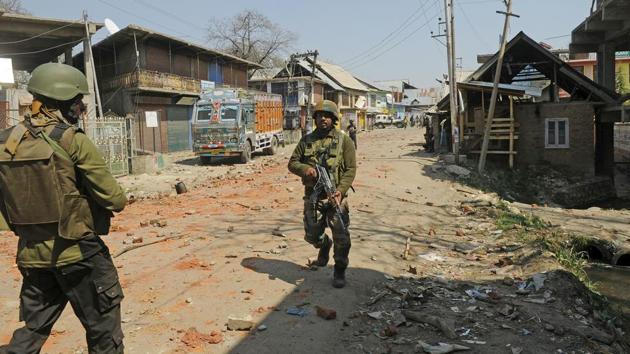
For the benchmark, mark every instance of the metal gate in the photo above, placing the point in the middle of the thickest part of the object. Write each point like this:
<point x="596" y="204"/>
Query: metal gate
<point x="110" y="135"/>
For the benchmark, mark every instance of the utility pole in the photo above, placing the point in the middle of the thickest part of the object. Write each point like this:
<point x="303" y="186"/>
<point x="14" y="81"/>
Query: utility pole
<point x="90" y="69"/>
<point x="452" y="79"/>
<point x="309" y="109"/>
<point x="495" y="88"/>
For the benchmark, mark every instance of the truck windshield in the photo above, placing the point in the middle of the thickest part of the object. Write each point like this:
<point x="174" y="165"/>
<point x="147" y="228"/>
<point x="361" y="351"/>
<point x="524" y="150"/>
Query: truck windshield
<point x="208" y="113"/>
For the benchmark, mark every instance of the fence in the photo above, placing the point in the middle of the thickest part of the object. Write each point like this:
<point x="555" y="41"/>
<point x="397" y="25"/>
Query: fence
<point x="112" y="136"/>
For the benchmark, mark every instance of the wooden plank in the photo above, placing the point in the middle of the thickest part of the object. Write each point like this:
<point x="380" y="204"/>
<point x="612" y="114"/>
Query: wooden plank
<point x="499" y="120"/>
<point x="511" y="162"/>
<point x="504" y="125"/>
<point x="503" y="137"/>
<point x="495" y="152"/>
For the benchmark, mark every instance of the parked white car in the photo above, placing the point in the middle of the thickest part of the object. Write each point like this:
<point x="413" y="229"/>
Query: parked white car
<point x="382" y="120"/>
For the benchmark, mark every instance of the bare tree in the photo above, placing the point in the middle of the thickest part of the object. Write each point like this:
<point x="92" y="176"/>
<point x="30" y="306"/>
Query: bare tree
<point x="13" y="6"/>
<point x="251" y="35"/>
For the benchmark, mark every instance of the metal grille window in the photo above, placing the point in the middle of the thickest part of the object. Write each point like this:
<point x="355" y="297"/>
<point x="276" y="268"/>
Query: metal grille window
<point x="556" y="133"/>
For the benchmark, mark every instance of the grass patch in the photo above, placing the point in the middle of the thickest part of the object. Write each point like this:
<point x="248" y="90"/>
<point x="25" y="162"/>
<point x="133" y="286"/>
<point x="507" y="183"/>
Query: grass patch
<point x="507" y="220"/>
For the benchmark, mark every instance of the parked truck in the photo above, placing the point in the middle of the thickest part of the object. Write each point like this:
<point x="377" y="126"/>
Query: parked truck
<point x="236" y="123"/>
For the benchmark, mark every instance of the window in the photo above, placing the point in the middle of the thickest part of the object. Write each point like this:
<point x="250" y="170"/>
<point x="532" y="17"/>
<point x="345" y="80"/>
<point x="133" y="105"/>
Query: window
<point x="579" y="68"/>
<point x="556" y="133"/>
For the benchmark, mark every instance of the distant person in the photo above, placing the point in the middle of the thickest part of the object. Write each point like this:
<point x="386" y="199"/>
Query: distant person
<point x="405" y="122"/>
<point x="352" y="132"/>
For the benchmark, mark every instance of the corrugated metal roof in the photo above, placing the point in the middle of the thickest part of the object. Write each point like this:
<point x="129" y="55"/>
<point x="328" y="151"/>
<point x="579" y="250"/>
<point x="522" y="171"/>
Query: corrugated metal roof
<point x="341" y="76"/>
<point x="130" y="29"/>
<point x="265" y="74"/>
<point x="307" y="65"/>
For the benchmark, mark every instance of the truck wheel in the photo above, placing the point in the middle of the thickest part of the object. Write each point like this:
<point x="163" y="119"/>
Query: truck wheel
<point x="399" y="125"/>
<point x="246" y="155"/>
<point x="273" y="149"/>
<point x="380" y="126"/>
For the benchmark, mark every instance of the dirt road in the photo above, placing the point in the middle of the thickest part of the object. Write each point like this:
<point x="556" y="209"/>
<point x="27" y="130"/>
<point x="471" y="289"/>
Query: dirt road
<point x="227" y="261"/>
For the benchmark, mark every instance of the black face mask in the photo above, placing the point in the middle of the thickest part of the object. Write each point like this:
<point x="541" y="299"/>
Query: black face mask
<point x="73" y="110"/>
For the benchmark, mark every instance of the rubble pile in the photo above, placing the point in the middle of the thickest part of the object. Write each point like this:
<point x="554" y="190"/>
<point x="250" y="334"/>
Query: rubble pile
<point x="437" y="315"/>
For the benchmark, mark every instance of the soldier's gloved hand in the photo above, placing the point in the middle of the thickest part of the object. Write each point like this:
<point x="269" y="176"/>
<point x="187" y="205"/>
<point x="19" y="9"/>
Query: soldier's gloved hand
<point x="311" y="173"/>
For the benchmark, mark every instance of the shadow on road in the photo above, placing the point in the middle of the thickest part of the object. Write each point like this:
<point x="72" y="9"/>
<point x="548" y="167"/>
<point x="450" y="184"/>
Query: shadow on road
<point x="308" y="334"/>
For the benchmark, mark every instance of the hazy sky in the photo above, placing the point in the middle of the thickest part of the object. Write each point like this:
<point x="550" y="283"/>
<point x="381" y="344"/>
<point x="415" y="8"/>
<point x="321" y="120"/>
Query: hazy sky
<point x="375" y="40"/>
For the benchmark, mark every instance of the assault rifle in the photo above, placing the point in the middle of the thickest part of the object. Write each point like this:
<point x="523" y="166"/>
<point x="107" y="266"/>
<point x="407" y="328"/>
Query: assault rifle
<point x="324" y="183"/>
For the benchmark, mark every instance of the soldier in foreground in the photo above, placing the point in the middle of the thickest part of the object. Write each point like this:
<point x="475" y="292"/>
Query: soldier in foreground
<point x="326" y="149"/>
<point x="57" y="197"/>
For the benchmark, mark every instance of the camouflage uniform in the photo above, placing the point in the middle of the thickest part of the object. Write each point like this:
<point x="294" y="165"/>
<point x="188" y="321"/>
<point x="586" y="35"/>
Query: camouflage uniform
<point x="57" y="196"/>
<point x="338" y="151"/>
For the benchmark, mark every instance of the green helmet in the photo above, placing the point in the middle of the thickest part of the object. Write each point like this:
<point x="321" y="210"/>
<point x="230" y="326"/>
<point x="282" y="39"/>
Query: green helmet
<point x="58" y="81"/>
<point x="327" y="106"/>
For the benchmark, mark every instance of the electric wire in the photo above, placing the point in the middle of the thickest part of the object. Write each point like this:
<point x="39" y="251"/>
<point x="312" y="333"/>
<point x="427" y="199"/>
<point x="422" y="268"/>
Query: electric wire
<point x="376" y="56"/>
<point x="148" y="20"/>
<point x="171" y="15"/>
<point x="42" y="50"/>
<point x="382" y="42"/>
<point x="472" y="26"/>
<point x="41" y="34"/>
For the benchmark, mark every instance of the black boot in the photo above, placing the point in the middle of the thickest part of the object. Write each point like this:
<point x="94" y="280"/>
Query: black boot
<point x="339" y="278"/>
<point x="324" y="253"/>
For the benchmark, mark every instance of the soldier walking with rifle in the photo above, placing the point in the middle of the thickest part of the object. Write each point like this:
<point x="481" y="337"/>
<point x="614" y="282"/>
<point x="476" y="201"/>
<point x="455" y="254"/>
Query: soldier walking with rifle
<point x="326" y="162"/>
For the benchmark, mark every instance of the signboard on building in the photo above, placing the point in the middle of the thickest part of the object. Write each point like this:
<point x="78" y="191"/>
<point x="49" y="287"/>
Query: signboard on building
<point x="6" y="71"/>
<point x="151" y="118"/>
<point x="207" y="85"/>
<point x="624" y="54"/>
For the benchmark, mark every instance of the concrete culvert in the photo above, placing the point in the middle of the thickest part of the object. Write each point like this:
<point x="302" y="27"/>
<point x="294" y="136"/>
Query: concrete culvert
<point x="598" y="251"/>
<point x="622" y="258"/>
<point x="595" y="253"/>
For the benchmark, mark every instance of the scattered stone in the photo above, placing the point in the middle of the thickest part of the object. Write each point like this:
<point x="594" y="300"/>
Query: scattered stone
<point x="230" y="228"/>
<point x="549" y="327"/>
<point x="390" y="331"/>
<point x="506" y="310"/>
<point x="458" y="171"/>
<point x="189" y="300"/>
<point x="296" y="311"/>
<point x="240" y="324"/>
<point x="508" y="281"/>
<point x="262" y="328"/>
<point x="517" y="350"/>
<point x="326" y="313"/>
<point x="137" y="239"/>
<point x="377" y="315"/>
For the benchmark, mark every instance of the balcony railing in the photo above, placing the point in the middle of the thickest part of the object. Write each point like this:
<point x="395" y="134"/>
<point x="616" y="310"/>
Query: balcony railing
<point x="154" y="79"/>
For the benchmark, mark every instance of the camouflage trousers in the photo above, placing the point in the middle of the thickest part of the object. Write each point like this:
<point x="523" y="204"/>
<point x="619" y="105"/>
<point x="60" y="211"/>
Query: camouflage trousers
<point x="321" y="215"/>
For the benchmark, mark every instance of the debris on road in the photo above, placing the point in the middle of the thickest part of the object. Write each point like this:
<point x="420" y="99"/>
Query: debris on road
<point x="240" y="324"/>
<point x="296" y="311"/>
<point x="441" y="348"/>
<point x="192" y="338"/>
<point x="326" y="313"/>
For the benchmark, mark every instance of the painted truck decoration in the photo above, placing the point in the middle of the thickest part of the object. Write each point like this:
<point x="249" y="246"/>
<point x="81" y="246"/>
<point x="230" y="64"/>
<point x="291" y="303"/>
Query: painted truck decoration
<point x="235" y="123"/>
